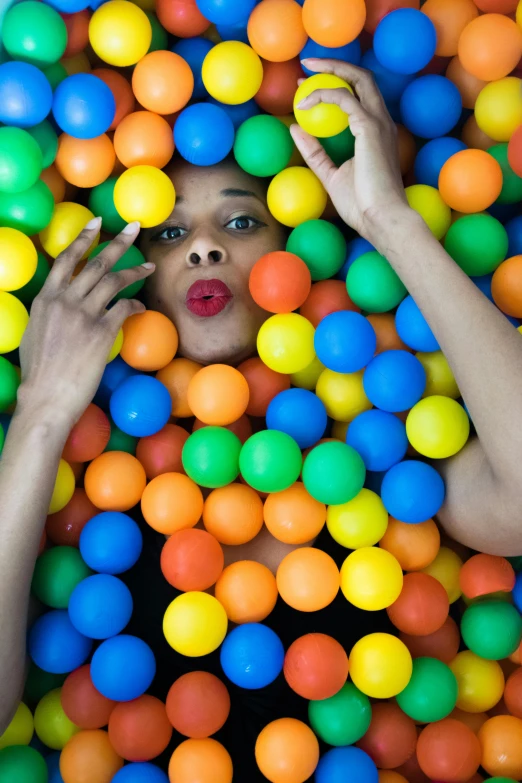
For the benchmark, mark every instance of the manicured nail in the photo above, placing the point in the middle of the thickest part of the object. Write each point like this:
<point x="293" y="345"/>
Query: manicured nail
<point x="131" y="228"/>
<point x="94" y="223"/>
<point x="309" y="60"/>
<point x="301" y="104"/>
<point x="148" y="265"/>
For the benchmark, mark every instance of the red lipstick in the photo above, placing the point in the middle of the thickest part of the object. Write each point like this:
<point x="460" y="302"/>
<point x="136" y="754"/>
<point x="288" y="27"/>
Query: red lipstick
<point x="207" y="298"/>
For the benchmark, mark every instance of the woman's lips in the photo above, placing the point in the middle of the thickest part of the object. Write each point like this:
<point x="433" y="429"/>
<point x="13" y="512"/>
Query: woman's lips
<point x="207" y="298"/>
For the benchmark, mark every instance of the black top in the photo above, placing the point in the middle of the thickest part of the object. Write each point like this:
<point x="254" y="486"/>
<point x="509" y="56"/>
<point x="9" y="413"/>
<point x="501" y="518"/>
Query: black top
<point x="250" y="710"/>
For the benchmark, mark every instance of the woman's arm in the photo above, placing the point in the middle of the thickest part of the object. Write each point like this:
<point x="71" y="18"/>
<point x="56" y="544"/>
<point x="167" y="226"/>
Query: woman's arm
<point x="62" y="357"/>
<point x="483" y="506"/>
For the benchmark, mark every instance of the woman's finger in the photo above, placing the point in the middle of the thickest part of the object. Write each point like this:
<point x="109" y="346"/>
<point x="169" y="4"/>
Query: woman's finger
<point x="338" y="96"/>
<point x="314" y="154"/>
<point x="65" y="263"/>
<point x="362" y="80"/>
<point x="97" y="267"/>
<point x="117" y="315"/>
<point x="114" y="282"/>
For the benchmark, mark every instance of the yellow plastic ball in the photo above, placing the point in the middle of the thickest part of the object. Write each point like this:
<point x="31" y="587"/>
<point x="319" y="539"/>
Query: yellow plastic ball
<point x="195" y="624"/>
<point x="18" y="259"/>
<point x="117" y="346"/>
<point x="51" y="724"/>
<point x="120" y="33"/>
<point x="285" y="343"/>
<point x="480" y="682"/>
<point x="339" y="430"/>
<point x="78" y="63"/>
<point x="371" y="578"/>
<point x="519" y="13"/>
<point x="232" y="72"/>
<point x="342" y="394"/>
<point x="380" y="665"/>
<point x="437" y="427"/>
<point x="66" y="223"/>
<point x="428" y="203"/>
<point x="63" y="487"/>
<point x="498" y="110"/>
<point x="325" y="119"/>
<point x="20" y="730"/>
<point x="145" y="194"/>
<point x="361" y="522"/>
<point x="439" y="375"/>
<point x="296" y="195"/>
<point x="307" y="378"/>
<point x="446" y="570"/>
<point x="13" y="322"/>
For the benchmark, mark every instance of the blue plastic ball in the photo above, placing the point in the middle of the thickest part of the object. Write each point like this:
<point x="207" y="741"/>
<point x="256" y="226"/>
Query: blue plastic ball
<point x="194" y="51"/>
<point x="379" y="437"/>
<point x="517" y="592"/>
<point x="115" y="373"/>
<point x="83" y="106"/>
<point x="140" y="772"/>
<point x="252" y="656"/>
<point x="55" y="645"/>
<point x="346" y="765"/>
<point x="226" y="12"/>
<point x="141" y="406"/>
<point x="394" y="381"/>
<point x="111" y="542"/>
<point x="431" y="106"/>
<point x="53" y="767"/>
<point x="26" y="96"/>
<point x="405" y="41"/>
<point x="239" y="112"/>
<point x="349" y="53"/>
<point x="233" y="32"/>
<point x="412" y="491"/>
<point x="68" y="6"/>
<point x="412" y="327"/>
<point x="100" y="606"/>
<point x="299" y="413"/>
<point x="483" y="282"/>
<point x="432" y="157"/>
<point x="122" y="668"/>
<point x="514" y="232"/>
<point x="357" y="247"/>
<point x="390" y="84"/>
<point x="204" y="134"/>
<point x="345" y="341"/>
<point x="504" y="212"/>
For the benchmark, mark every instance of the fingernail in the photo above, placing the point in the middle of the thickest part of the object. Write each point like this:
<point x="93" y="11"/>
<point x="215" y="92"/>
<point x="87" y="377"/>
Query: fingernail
<point x="131" y="228"/>
<point x="301" y="103"/>
<point x="309" y="60"/>
<point x="148" y="265"/>
<point x="94" y="223"/>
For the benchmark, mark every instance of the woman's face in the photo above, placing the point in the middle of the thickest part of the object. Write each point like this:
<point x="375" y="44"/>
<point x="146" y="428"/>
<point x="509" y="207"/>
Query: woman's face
<point x="203" y="253"/>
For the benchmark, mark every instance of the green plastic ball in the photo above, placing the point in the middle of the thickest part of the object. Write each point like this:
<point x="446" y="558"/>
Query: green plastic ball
<point x="101" y="202"/>
<point x="56" y="574"/>
<point x="500" y="780"/>
<point x="210" y="457"/>
<point x="35" y="33"/>
<point x="160" y="38"/>
<point x="270" y="461"/>
<point x="9" y="383"/>
<point x="22" y="764"/>
<point x="30" y="290"/>
<point x="431" y="693"/>
<point x="373" y="285"/>
<point x="516" y="562"/>
<point x="478" y="244"/>
<point x="492" y="629"/>
<point x="342" y="719"/>
<point x="29" y="211"/>
<point x="263" y="146"/>
<point x="131" y="258"/>
<point x="21" y="160"/>
<point x="340" y="148"/>
<point x="38" y="683"/>
<point x="333" y="473"/>
<point x="321" y="246"/>
<point x="55" y="74"/>
<point x="121" y="441"/>
<point x="44" y="134"/>
<point x="511" y="191"/>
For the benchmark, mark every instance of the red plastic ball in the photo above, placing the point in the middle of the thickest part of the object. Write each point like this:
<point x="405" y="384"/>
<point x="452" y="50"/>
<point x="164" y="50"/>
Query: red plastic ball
<point x="88" y="437"/>
<point x="391" y="738"/>
<point x="422" y="606"/>
<point x="161" y="452"/>
<point x="198" y="704"/>
<point x="325" y="297"/>
<point x="64" y="527"/>
<point x="449" y="750"/>
<point x="316" y="666"/>
<point x="192" y="560"/>
<point x="140" y="730"/>
<point x="280" y="282"/>
<point x="82" y="703"/>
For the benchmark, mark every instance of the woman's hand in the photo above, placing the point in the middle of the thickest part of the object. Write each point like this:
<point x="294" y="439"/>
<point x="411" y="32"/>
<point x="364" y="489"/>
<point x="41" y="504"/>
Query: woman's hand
<point x="367" y="188"/>
<point x="70" y="334"/>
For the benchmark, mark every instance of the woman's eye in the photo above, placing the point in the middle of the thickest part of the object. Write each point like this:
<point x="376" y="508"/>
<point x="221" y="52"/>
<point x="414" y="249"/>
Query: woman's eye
<point x="241" y="223"/>
<point x="172" y="232"/>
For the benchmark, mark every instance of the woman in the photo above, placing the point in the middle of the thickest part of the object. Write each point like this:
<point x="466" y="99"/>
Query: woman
<point x="201" y="258"/>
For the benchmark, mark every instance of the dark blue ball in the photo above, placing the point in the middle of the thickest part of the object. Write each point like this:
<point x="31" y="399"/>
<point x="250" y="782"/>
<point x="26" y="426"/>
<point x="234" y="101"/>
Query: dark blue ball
<point x="226" y="12"/>
<point x="345" y="341"/>
<point x="122" y="668"/>
<point x="514" y="232"/>
<point x="394" y="381"/>
<point x="26" y="96"/>
<point x="233" y="32"/>
<point x="100" y="606"/>
<point x="412" y="327"/>
<point x="141" y="406"/>
<point x="252" y="656"/>
<point x="431" y="106"/>
<point x="346" y="765"/>
<point x="405" y="41"/>
<point x="140" y="772"/>
<point x="379" y="437"/>
<point x="204" y="134"/>
<point x="239" y="112"/>
<point x="484" y="283"/>
<point x="349" y="53"/>
<point x="357" y="247"/>
<point x="432" y="157"/>
<point x="111" y="542"/>
<point x="53" y="767"/>
<point x="55" y="645"/>
<point x="194" y="51"/>
<point x="517" y="592"/>
<point x="83" y="106"/>
<point x="299" y="413"/>
<point x="115" y="373"/>
<point x="391" y="85"/>
<point x="412" y="491"/>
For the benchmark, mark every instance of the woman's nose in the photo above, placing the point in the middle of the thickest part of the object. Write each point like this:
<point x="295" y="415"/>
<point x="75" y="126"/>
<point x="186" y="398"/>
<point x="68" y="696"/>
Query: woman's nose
<point x="205" y="250"/>
<point x="212" y="257"/>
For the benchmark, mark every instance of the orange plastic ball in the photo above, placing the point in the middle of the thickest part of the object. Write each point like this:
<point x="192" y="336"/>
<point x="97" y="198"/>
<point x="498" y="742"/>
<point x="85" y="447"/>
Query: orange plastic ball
<point x="497" y="6"/>
<point x="422" y="607"/>
<point x="293" y="516"/>
<point x="77" y="25"/>
<point x="414" y="546"/>
<point x="280" y="282"/>
<point x="88" y="437"/>
<point x="287" y="751"/>
<point x="55" y="182"/>
<point x="144" y="139"/>
<point x="176" y="376"/>
<point x="192" y="560"/>
<point x="82" y="703"/>
<point x="470" y="181"/>
<point x="325" y="297"/>
<point x="316" y="666"/>
<point x="233" y="514"/>
<point x="198" y="704"/>
<point x="276" y="31"/>
<point x="172" y="502"/>
<point x="200" y="761"/>
<point x="161" y="452"/>
<point x="490" y="47"/>
<point x="64" y="527"/>
<point x="501" y="740"/>
<point x="162" y="82"/>
<point x="386" y="333"/>
<point x="308" y="579"/>
<point x="391" y="737"/>
<point x="242" y="427"/>
<point x="122" y="91"/>
<point x="513" y="693"/>
<point x="450" y="17"/>
<point x="467" y="84"/>
<point x="448" y="750"/>
<point x="218" y="395"/>
<point x="263" y="385"/>
<point x="277" y="91"/>
<point x="475" y="720"/>
<point x="150" y="341"/>
<point x="333" y="22"/>
<point x="443" y="644"/>
<point x="506" y="286"/>
<point x="89" y="758"/>
<point x="85" y="162"/>
<point x="483" y="574"/>
<point x="181" y="17"/>
<point x="139" y="730"/>
<point x="474" y="136"/>
<point x="376" y="9"/>
<point x="115" y="481"/>
<point x="247" y="590"/>
<point x="390" y="776"/>
<point x="515" y="151"/>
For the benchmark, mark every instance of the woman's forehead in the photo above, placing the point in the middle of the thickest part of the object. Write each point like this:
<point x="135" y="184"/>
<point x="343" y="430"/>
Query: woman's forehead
<point x="193" y="181"/>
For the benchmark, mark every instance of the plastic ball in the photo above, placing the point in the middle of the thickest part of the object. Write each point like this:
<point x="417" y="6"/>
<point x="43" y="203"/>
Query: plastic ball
<point x="498" y="110"/>
<point x="427" y="202"/>
<point x="345" y="342"/>
<point x="64" y="527"/>
<point x="380" y="665"/>
<point x="46" y="138"/>
<point x="247" y="590"/>
<point x="67" y="221"/>
<point x="359" y="523"/>
<point x="92" y="751"/>
<point x="263" y="146"/>
<point x="204" y="134"/>
<point x="143" y="138"/>
<point x="25" y="95"/>
<point x="211" y="457"/>
<point x="333" y="473"/>
<point x="115" y="481"/>
<point x="492" y="629"/>
<point x="371" y="578"/>
<point x="140" y="772"/>
<point x="422" y="606"/>
<point x="82" y="703"/>
<point x="198" y="704"/>
<point x="442" y="644"/>
<point x="285" y="343"/>
<point x="344" y="763"/>
<point x="275" y="30"/>
<point x="478" y="243"/>
<point x="511" y="192"/>
<point x="161" y="453"/>
<point x="192" y="560"/>
<point x="500" y="738"/>
<point x="316" y="666"/>
<point x="513" y="693"/>
<point x="270" y="461"/>
<point x="140" y="406"/>
<point x="350" y="53"/>
<point x="204" y="760"/>
<point x="373" y="285"/>
<point x="506" y="286"/>
<point x="296" y="195"/>
<point x="308" y="579"/>
<point x="57" y="572"/>
<point x="450" y="19"/>
<point x="448" y="750"/>
<point x="218" y="395"/>
<point x="100" y="606"/>
<point x="89" y="436"/>
<point x="470" y="181"/>
<point x="18" y="259"/>
<point x="123" y="667"/>
<point x="111" y="542"/>
<point x="490" y="47"/>
<point x="13" y="322"/>
<point x="287" y="750"/>
<point x="391" y="84"/>
<point x="308" y="378"/>
<point x="300" y="414"/>
<point x="195" y="624"/>
<point x="84" y="107"/>
<point x="394" y="381"/>
<point x="468" y="85"/>
<point x="20" y="729"/>
<point x="55" y="645"/>
<point x="483" y="574"/>
<point x="29" y="212"/>
<point x="323" y="120"/>
<point x="181" y="18"/>
<point x="412" y="491"/>
<point x="171" y="502"/>
<point x="446" y="570"/>
<point x="391" y="737"/>
<point x="341" y="719"/>
<point x="379" y="437"/>
<point x="293" y="516"/>
<point x="432" y="156"/>
<point x="232" y="72"/>
<point x="481" y="682"/>
<point x="63" y="487"/>
<point x="329" y="24"/>
<point x="439" y="377"/>
<point x="252" y="656"/>
<point x="52" y="726"/>
<point x="153" y="79"/>
<point x="21" y="160"/>
<point x="34" y="33"/>
<point x="193" y="51"/>
<point x="233" y="514"/>
<point x="20" y="762"/>
<point x="515" y="152"/>
<point x="279" y="282"/>
<point x="322" y="247"/>
<point x="438" y="427"/>
<point x="145" y="194"/>
<point x="120" y="33"/>
<point x="405" y="41"/>
<point x="431" y="106"/>
<point x="140" y="730"/>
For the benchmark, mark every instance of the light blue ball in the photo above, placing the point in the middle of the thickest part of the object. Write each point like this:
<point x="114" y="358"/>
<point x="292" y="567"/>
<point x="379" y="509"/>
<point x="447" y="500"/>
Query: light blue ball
<point x="252" y="656"/>
<point x="123" y="667"/>
<point x="83" y="106"/>
<point x="432" y="157"/>
<point x="390" y="84"/>
<point x="194" y="51"/>
<point x="55" y="645"/>
<point x="111" y="542"/>
<point x="394" y="381"/>
<point x="226" y="12"/>
<point x="405" y="41"/>
<point x="299" y="413"/>
<point x="379" y="437"/>
<point x="140" y="772"/>
<point x="204" y="134"/>
<point x="412" y="491"/>
<point x="345" y="341"/>
<point x="25" y="95"/>
<point x="412" y="327"/>
<point x="141" y="406"/>
<point x="431" y="106"/>
<point x="349" y="53"/>
<point x="346" y="765"/>
<point x="100" y="606"/>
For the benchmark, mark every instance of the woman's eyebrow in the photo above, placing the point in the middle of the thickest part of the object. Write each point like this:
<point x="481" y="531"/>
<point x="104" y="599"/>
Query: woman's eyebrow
<point x="239" y="193"/>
